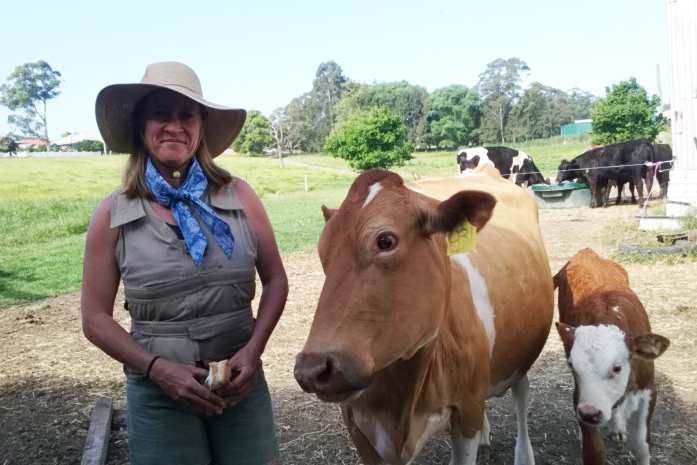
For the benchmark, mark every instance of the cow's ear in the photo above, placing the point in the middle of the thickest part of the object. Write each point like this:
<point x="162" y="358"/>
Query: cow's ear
<point x="475" y="206"/>
<point x="327" y="212"/>
<point x="648" y="346"/>
<point x="567" y="334"/>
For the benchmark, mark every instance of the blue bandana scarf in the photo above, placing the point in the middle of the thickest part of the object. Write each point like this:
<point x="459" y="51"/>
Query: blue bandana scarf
<point x="193" y="188"/>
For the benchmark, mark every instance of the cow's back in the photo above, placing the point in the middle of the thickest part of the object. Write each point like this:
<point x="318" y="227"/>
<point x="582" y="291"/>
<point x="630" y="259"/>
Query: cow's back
<point x="511" y="258"/>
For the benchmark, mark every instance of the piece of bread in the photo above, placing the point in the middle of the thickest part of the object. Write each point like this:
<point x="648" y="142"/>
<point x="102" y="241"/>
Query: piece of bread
<point x="218" y="375"/>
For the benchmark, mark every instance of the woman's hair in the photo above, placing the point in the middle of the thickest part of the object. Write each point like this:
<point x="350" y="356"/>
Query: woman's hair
<point x="134" y="174"/>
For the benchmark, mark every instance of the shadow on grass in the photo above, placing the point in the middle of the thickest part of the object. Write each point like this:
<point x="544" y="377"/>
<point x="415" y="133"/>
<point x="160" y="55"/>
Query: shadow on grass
<point x="9" y="291"/>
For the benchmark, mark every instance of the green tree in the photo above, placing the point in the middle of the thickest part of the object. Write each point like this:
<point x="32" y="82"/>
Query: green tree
<point x="582" y="101"/>
<point x="350" y="103"/>
<point x="376" y="138"/>
<point x="255" y="135"/>
<point x="453" y="116"/>
<point x="499" y="89"/>
<point x="326" y="92"/>
<point x="285" y="133"/>
<point x="298" y="111"/>
<point x="88" y="146"/>
<point x="407" y="100"/>
<point x="8" y="144"/>
<point x="625" y="113"/>
<point x="28" y="89"/>
<point x="540" y="112"/>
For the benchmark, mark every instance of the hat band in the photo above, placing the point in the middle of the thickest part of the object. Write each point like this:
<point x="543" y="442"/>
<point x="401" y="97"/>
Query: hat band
<point x="197" y="92"/>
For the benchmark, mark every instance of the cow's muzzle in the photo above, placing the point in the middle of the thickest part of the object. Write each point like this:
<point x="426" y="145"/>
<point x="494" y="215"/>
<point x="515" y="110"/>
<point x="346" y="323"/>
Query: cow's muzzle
<point x="331" y="376"/>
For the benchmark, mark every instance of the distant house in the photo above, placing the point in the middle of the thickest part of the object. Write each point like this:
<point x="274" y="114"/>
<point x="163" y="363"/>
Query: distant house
<point x="579" y="126"/>
<point x="66" y="143"/>
<point x="24" y="144"/>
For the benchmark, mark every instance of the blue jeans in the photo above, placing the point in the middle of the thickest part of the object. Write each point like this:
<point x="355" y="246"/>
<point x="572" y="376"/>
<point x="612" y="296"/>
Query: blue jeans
<point x="163" y="431"/>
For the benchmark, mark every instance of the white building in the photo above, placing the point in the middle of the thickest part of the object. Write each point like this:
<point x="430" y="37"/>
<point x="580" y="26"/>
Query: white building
<point x="682" y="37"/>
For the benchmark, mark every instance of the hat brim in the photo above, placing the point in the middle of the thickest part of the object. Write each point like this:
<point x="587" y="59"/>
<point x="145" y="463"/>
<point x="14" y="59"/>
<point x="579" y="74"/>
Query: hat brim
<point x="114" y="110"/>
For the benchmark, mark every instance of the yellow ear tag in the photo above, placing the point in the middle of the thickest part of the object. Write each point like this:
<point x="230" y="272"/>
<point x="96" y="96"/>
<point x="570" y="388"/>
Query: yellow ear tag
<point x="462" y="239"/>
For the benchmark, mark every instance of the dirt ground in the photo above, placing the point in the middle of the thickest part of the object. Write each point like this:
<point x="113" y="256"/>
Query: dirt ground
<point x="51" y="376"/>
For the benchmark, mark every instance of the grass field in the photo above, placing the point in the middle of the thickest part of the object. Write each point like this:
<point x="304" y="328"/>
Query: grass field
<point x="47" y="204"/>
<point x="429" y="164"/>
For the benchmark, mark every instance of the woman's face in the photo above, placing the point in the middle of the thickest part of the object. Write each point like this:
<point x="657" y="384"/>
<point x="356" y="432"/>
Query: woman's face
<point x="172" y="128"/>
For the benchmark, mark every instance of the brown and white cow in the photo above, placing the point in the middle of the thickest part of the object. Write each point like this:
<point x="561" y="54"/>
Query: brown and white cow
<point x="610" y="349"/>
<point x="409" y="340"/>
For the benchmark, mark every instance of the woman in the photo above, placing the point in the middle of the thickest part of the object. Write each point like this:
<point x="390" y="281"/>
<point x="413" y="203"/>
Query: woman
<point x="186" y="238"/>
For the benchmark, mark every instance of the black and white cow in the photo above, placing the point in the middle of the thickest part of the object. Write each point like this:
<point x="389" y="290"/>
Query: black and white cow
<point x="512" y="164"/>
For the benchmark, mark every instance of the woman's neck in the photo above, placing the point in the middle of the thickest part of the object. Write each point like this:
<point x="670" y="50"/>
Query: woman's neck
<point x="174" y="175"/>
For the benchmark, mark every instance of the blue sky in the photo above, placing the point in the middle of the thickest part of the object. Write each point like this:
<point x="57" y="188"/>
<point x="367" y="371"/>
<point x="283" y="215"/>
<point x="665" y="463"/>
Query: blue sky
<point x="261" y="54"/>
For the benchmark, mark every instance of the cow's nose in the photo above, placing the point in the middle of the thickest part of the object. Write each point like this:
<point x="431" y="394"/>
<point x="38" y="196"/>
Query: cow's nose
<point x="331" y="376"/>
<point x="590" y="414"/>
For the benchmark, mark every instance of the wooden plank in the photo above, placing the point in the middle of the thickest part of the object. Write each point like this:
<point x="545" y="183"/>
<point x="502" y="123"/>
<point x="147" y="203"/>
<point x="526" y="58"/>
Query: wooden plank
<point x="97" y="442"/>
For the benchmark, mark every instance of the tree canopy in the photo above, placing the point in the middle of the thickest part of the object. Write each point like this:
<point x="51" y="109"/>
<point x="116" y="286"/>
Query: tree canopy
<point x="28" y="89"/>
<point x="8" y="144"/>
<point x="407" y="100"/>
<point x="453" y="116"/>
<point x="376" y="138"/>
<point x="540" y="112"/>
<point x="88" y="146"/>
<point x="284" y="131"/>
<point x="326" y="92"/>
<point x="499" y="89"/>
<point x="255" y="135"/>
<point x="626" y="113"/>
<point x="497" y="109"/>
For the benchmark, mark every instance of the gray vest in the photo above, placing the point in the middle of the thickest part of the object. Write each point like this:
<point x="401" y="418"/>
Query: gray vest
<point x="179" y="310"/>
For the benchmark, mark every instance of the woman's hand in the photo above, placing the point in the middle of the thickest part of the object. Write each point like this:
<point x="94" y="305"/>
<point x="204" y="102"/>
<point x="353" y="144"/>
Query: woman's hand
<point x="184" y="383"/>
<point x="243" y="366"/>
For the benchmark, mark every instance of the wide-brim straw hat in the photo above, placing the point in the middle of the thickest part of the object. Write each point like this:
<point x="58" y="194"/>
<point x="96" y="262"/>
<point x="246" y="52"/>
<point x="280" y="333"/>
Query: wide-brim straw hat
<point x="115" y="105"/>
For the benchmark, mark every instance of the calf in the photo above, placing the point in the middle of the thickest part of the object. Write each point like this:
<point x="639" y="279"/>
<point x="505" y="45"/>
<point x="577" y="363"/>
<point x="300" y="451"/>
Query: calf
<point x="610" y="350"/>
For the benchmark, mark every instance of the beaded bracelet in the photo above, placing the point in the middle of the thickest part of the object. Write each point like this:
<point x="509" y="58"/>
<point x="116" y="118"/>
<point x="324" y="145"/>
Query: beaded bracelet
<point x="152" y="362"/>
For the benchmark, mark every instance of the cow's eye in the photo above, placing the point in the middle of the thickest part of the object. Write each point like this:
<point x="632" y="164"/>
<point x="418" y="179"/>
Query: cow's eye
<point x="616" y="369"/>
<point x="386" y="241"/>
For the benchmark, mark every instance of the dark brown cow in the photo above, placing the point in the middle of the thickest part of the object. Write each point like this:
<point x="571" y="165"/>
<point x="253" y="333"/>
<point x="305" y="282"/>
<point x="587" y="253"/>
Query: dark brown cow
<point x="610" y="349"/>
<point x="410" y="340"/>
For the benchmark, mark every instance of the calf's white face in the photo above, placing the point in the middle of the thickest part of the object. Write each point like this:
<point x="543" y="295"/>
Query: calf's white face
<point x="599" y="360"/>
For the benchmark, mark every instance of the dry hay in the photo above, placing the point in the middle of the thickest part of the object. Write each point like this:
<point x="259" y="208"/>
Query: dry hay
<point x="51" y="376"/>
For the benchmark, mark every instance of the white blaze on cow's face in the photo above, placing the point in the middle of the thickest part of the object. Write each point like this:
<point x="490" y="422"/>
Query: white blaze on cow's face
<point x="372" y="192"/>
<point x="600" y="362"/>
<point x="372" y="309"/>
